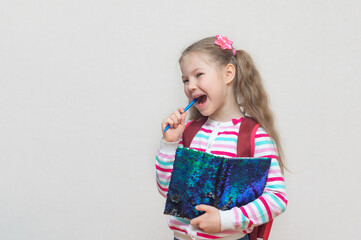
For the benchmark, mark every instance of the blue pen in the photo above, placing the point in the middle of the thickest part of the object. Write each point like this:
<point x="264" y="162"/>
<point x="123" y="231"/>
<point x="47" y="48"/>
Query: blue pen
<point x="187" y="107"/>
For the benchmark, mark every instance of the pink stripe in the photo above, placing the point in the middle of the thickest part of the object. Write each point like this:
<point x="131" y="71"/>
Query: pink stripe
<point x="228" y="133"/>
<point x="281" y="197"/>
<point x="181" y="142"/>
<point x="199" y="143"/>
<point x="207" y="236"/>
<point x="224" y="153"/>
<point x="177" y="223"/>
<point x="235" y="128"/>
<point x="244" y="212"/>
<point x="274" y="179"/>
<point x="236" y="217"/>
<point x="267" y="207"/>
<point x="162" y="188"/>
<point x="164" y="176"/>
<point x="261" y="135"/>
<point x="274" y="208"/>
<point x="163" y="169"/>
<point x="206" y="130"/>
<point x="199" y="149"/>
<point x="265" y="150"/>
<point x="254" y="215"/>
<point x="274" y="171"/>
<point x="178" y="229"/>
<point x="162" y="155"/>
<point x="224" y="146"/>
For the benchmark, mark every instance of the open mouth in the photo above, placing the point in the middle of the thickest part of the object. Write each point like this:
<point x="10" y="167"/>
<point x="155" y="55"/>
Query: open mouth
<point x="201" y="99"/>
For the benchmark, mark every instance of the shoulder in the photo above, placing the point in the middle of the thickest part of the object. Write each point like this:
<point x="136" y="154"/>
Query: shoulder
<point x="265" y="146"/>
<point x="261" y="136"/>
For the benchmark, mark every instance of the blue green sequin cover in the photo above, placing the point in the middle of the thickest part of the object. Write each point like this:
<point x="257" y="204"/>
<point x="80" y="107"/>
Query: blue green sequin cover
<point x="203" y="178"/>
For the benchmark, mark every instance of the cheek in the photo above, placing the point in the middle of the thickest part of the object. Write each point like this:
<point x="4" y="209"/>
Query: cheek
<point x="185" y="88"/>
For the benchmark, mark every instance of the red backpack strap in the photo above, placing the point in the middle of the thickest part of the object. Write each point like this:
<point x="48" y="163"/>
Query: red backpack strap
<point x="246" y="135"/>
<point x="191" y="130"/>
<point x="261" y="231"/>
<point x="266" y="229"/>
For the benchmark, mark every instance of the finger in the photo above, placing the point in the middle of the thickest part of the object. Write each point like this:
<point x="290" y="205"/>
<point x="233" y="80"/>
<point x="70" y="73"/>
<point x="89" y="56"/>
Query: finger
<point x="195" y="221"/>
<point x="164" y="124"/>
<point x="170" y="122"/>
<point x="178" y="113"/>
<point x="203" y="207"/>
<point x="167" y="122"/>
<point x="181" y="110"/>
<point x="183" y="120"/>
<point x="175" y="120"/>
<point x="182" y="116"/>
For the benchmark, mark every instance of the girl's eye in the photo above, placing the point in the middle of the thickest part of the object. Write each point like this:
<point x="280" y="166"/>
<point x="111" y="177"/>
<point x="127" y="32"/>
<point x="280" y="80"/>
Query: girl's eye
<point x="185" y="81"/>
<point x="199" y="74"/>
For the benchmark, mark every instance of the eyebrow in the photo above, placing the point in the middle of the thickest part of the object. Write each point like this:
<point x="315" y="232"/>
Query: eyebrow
<point x="196" y="69"/>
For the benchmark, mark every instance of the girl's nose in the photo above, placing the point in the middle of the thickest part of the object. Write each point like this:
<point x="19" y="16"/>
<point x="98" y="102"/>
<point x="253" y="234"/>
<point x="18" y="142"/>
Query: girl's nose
<point x="192" y="85"/>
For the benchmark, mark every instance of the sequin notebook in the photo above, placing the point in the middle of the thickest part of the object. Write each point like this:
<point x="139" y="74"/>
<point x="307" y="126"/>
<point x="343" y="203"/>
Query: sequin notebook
<point x="203" y="178"/>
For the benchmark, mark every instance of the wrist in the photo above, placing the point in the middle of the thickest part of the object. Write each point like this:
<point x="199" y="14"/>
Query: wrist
<point x="168" y="147"/>
<point x="227" y="220"/>
<point x="170" y="140"/>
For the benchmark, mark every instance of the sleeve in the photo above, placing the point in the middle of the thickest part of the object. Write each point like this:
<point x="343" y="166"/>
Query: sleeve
<point x="270" y="204"/>
<point x="164" y="164"/>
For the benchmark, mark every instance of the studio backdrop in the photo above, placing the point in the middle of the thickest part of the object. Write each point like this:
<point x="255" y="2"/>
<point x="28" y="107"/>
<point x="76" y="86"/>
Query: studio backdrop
<point x="84" y="86"/>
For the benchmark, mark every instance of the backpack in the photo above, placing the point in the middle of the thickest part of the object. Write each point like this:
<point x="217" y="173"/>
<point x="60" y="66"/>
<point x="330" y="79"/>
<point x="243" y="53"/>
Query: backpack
<point x="245" y="148"/>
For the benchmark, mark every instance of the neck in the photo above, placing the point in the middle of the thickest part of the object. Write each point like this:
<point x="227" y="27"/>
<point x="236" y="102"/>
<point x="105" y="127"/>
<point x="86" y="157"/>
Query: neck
<point x="229" y="111"/>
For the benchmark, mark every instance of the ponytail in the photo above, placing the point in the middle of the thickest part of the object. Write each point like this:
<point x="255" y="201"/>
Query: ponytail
<point x="253" y="98"/>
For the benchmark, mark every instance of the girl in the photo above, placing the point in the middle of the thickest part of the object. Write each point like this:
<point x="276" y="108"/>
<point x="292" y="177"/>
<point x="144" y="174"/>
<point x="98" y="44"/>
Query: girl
<point x="227" y="87"/>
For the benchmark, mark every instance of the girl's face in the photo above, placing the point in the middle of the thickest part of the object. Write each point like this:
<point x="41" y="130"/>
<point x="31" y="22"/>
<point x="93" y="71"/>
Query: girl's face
<point x="204" y="80"/>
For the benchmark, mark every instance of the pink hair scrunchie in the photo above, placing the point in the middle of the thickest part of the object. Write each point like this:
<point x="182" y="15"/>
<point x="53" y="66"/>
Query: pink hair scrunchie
<point x="225" y="43"/>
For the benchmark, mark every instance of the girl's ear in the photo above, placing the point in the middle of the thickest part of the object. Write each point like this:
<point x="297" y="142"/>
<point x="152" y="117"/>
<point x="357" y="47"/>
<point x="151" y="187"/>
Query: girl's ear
<point x="229" y="73"/>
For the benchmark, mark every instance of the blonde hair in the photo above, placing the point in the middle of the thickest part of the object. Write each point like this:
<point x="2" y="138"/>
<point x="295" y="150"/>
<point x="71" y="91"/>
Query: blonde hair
<point x="248" y="88"/>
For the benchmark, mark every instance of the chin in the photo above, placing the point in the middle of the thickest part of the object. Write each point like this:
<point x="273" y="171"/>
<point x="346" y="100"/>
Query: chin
<point x="205" y="113"/>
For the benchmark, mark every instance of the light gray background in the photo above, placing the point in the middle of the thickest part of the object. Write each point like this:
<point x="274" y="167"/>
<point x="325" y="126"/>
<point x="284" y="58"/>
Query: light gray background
<point x="84" y="86"/>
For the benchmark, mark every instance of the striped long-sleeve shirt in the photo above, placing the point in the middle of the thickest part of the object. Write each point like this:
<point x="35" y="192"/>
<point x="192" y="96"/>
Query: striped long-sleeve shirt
<point x="220" y="138"/>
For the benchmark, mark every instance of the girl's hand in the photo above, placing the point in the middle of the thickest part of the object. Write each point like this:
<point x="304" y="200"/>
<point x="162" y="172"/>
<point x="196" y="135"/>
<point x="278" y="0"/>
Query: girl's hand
<point x="210" y="221"/>
<point x="176" y="121"/>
